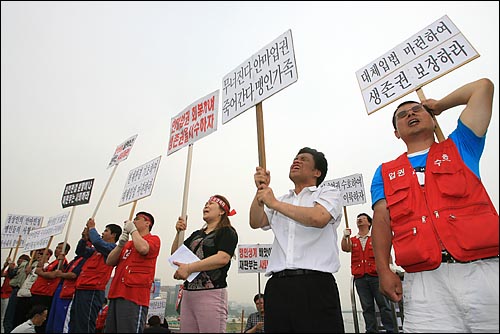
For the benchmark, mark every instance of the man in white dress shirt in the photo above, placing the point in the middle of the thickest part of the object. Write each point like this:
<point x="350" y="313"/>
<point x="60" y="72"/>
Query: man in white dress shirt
<point x="302" y="295"/>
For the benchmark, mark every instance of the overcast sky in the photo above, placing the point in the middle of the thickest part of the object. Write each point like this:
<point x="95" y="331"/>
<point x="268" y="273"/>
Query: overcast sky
<point x="79" y="78"/>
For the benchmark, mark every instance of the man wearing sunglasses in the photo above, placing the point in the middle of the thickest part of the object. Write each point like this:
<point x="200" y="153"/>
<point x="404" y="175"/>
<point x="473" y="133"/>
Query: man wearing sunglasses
<point x="432" y="207"/>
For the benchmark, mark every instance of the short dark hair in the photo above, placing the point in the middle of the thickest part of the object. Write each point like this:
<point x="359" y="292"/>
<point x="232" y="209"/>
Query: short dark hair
<point x="49" y="251"/>
<point x="36" y="309"/>
<point x="115" y="229"/>
<point x="149" y="216"/>
<point x="154" y="320"/>
<point x="68" y="247"/>
<point x="367" y="217"/>
<point x="257" y="297"/>
<point x="320" y="162"/>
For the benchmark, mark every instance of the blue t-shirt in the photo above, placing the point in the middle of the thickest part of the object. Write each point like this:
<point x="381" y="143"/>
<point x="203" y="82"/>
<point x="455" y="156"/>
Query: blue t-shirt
<point x="470" y="147"/>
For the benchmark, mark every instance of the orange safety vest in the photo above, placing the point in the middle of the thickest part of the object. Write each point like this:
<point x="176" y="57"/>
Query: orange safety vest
<point x="451" y="211"/>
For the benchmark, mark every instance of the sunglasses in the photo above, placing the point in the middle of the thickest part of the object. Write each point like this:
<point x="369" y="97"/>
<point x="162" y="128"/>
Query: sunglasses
<point x="415" y="109"/>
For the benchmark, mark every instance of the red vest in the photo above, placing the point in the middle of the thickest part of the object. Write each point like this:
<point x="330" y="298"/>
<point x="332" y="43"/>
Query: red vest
<point x="362" y="261"/>
<point x="44" y="286"/>
<point x="69" y="285"/>
<point x="135" y="273"/>
<point x="6" y="288"/>
<point x="95" y="273"/>
<point x="451" y="211"/>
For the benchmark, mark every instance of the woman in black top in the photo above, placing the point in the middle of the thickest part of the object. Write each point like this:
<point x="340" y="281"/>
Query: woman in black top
<point x="204" y="301"/>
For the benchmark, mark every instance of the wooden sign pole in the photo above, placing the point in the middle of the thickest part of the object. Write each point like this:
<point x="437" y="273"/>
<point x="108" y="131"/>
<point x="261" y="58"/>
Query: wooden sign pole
<point x="186" y="192"/>
<point x="104" y="191"/>
<point x="437" y="129"/>
<point x="260" y="136"/>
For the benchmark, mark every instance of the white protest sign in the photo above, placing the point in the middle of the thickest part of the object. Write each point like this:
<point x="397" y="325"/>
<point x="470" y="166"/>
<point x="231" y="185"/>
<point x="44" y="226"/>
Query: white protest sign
<point x="10" y="240"/>
<point x="39" y="238"/>
<point x="140" y="182"/>
<point x="122" y="151"/>
<point x="196" y="121"/>
<point x="61" y="218"/>
<point x="21" y="224"/>
<point x="351" y="187"/>
<point x="260" y="76"/>
<point x="157" y="307"/>
<point x="253" y="258"/>
<point x="429" y="54"/>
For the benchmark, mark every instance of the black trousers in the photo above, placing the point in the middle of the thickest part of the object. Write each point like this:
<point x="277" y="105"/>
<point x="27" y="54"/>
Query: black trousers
<point x="303" y="304"/>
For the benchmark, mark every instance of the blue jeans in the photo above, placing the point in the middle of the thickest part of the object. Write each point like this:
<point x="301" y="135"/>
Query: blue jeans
<point x="368" y="292"/>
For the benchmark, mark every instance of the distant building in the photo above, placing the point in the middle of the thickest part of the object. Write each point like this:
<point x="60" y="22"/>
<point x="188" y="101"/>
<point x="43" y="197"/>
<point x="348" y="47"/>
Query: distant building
<point x="169" y="293"/>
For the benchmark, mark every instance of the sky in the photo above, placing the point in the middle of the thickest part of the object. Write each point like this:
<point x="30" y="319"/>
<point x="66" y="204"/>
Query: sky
<point x="79" y="78"/>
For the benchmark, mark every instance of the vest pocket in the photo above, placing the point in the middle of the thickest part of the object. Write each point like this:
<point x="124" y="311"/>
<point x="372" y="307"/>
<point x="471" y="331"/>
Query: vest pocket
<point x="398" y="201"/>
<point x="138" y="278"/>
<point x="466" y="225"/>
<point x="410" y="247"/>
<point x="92" y="278"/>
<point x="450" y="181"/>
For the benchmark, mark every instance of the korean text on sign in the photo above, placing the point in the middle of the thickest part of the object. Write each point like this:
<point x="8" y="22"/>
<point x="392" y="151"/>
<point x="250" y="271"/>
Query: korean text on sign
<point x="424" y="57"/>
<point x="39" y="238"/>
<point x="351" y="187"/>
<point x="122" y="151"/>
<point x="257" y="78"/>
<point x="194" y="122"/>
<point x="77" y="193"/>
<point x="253" y="258"/>
<point x="157" y="307"/>
<point x="140" y="182"/>
<point x="10" y="240"/>
<point x="21" y="224"/>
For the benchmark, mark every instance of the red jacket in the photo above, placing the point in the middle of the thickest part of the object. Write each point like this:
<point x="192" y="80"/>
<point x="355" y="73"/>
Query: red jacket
<point x="69" y="285"/>
<point x="95" y="273"/>
<point x="6" y="288"/>
<point x="362" y="261"/>
<point x="44" y="286"/>
<point x="135" y="273"/>
<point x="451" y="211"/>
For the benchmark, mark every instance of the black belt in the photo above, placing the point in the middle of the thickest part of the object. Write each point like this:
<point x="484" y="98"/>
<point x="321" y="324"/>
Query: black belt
<point x="447" y="258"/>
<point x="298" y="272"/>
